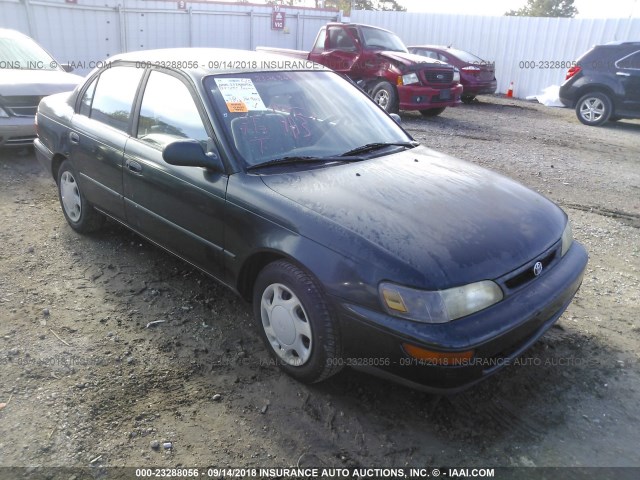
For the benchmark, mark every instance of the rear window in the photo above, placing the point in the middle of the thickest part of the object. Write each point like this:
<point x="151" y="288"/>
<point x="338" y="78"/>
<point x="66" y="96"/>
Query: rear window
<point x="466" y="56"/>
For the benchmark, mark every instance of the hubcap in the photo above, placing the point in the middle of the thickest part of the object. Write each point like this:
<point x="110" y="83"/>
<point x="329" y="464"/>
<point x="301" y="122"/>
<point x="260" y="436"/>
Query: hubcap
<point x="286" y="324"/>
<point x="70" y="196"/>
<point x="382" y="98"/>
<point x="592" y="109"/>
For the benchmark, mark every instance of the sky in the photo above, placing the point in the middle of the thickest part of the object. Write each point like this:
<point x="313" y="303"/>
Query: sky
<point x="586" y="8"/>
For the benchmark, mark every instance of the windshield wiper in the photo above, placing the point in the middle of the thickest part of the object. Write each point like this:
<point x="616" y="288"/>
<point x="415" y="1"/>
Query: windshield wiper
<point x="298" y="159"/>
<point x="370" y="147"/>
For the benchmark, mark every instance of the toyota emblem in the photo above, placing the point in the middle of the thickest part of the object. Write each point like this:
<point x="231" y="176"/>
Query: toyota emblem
<point x="537" y="268"/>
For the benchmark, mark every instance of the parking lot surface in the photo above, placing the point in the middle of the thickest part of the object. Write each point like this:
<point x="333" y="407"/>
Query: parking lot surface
<point x="89" y="379"/>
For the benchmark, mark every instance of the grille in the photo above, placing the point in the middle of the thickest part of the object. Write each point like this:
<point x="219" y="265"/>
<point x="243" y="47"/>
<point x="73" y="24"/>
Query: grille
<point x="21" y="106"/>
<point x="438" y="76"/>
<point x="526" y="275"/>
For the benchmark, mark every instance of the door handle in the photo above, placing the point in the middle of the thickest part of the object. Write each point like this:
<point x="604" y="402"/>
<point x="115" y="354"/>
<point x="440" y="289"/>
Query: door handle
<point x="74" y="138"/>
<point x="623" y="74"/>
<point x="134" y="166"/>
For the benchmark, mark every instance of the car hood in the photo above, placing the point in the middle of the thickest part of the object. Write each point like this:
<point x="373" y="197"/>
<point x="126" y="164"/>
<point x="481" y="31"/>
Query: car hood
<point x="449" y="220"/>
<point x="411" y="58"/>
<point x="36" y="82"/>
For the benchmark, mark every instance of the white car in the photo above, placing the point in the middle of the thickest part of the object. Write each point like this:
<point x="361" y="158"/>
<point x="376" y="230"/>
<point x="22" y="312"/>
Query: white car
<point x="27" y="74"/>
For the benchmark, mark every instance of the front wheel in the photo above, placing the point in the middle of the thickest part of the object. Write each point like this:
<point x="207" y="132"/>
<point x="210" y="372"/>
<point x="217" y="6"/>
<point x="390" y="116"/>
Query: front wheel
<point x="80" y="214"/>
<point x="432" y="112"/>
<point x="296" y="322"/>
<point x="384" y="94"/>
<point x="594" y="108"/>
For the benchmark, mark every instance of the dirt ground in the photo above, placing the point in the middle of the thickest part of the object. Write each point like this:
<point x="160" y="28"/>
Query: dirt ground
<point x="87" y="383"/>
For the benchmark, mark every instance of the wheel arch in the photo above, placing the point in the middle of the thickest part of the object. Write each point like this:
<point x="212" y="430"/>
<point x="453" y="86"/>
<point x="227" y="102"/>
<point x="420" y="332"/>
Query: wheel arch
<point x="253" y="265"/>
<point x="597" y="88"/>
<point x="56" y="161"/>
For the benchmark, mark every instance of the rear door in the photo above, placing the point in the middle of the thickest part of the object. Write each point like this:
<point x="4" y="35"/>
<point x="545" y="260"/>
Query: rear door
<point x="628" y="71"/>
<point x="99" y="132"/>
<point x="180" y="208"/>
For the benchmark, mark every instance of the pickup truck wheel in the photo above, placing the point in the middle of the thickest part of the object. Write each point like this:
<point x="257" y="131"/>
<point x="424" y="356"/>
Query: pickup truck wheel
<point x="385" y="95"/>
<point x="80" y="214"/>
<point x="296" y="322"/>
<point x="432" y="112"/>
<point x="594" y="109"/>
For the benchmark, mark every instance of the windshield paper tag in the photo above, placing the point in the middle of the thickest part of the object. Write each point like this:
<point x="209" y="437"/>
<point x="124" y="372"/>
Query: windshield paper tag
<point x="240" y="94"/>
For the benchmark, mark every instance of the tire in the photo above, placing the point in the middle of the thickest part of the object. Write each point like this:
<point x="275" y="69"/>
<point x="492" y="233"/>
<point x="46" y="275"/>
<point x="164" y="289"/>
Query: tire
<point x="432" y="112"/>
<point x="468" y="98"/>
<point x="594" y="108"/>
<point x="80" y="214"/>
<point x="384" y="94"/>
<point x="296" y="322"/>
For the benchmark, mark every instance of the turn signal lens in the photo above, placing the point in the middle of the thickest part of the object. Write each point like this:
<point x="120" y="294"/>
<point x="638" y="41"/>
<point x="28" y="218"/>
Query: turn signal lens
<point x="438" y="358"/>
<point x="393" y="299"/>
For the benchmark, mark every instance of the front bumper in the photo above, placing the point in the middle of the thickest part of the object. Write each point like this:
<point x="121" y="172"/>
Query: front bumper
<point x="418" y="97"/>
<point x="498" y="335"/>
<point x="17" y="131"/>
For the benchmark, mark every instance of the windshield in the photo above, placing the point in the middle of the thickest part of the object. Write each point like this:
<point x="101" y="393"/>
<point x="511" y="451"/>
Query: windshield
<point x="381" y="39"/>
<point x="312" y="114"/>
<point x="24" y="54"/>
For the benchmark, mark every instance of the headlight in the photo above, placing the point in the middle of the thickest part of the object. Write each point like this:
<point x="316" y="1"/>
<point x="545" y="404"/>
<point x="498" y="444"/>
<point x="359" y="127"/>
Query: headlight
<point x="439" y="306"/>
<point x="410" y="78"/>
<point x="3" y="114"/>
<point x="456" y="75"/>
<point x="567" y="239"/>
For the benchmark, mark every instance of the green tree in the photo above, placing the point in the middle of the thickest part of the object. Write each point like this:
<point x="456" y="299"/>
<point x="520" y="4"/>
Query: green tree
<point x="346" y="5"/>
<point x="545" y="8"/>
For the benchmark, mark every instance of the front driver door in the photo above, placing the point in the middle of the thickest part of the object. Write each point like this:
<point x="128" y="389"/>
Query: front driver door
<point x="180" y="208"/>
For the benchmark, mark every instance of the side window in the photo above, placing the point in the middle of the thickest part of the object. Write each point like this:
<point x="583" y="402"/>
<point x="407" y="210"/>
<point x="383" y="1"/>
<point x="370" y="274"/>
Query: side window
<point x="442" y="58"/>
<point x="114" y="96"/>
<point x="339" y="39"/>
<point x="168" y="113"/>
<point x="630" y="62"/>
<point x="87" y="98"/>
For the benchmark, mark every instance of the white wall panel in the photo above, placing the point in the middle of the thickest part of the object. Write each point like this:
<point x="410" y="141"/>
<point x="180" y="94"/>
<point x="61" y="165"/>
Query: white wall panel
<point x="508" y="41"/>
<point x="97" y="29"/>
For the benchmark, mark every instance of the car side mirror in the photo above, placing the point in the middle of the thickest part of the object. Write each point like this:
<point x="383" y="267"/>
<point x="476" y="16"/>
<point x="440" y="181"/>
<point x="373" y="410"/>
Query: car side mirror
<point x="396" y="117"/>
<point x="189" y="153"/>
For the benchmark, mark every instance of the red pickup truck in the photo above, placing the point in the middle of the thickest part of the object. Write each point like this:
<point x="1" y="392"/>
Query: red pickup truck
<point x="378" y="61"/>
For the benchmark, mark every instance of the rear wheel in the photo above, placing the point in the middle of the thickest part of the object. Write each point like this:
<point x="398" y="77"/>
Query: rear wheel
<point x="432" y="112"/>
<point x="296" y="323"/>
<point x="80" y="214"/>
<point x="385" y="96"/>
<point x="594" y="108"/>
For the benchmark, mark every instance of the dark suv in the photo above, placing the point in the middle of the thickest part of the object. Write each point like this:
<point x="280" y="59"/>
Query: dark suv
<point x="604" y="84"/>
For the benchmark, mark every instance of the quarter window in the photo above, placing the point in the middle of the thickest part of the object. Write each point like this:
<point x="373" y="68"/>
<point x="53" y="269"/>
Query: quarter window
<point x="168" y="113"/>
<point x="114" y="96"/>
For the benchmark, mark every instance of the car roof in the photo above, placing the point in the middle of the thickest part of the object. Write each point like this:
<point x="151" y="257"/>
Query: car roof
<point x="207" y="61"/>
<point x="349" y="24"/>
<point x="622" y="42"/>
<point x="435" y="47"/>
<point x="9" y="33"/>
